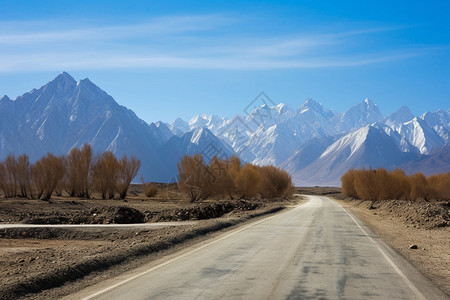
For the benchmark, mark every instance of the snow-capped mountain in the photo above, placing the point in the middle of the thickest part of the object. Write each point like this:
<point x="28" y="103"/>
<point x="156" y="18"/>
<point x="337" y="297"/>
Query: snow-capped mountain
<point x="419" y="134"/>
<point x="362" y="114"/>
<point x="368" y="146"/>
<point x="65" y="113"/>
<point x="402" y="115"/>
<point x="314" y="144"/>
<point x="295" y="139"/>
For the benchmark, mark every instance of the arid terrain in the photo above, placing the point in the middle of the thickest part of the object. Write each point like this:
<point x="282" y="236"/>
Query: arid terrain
<point x="36" y="260"/>
<point x="42" y="263"/>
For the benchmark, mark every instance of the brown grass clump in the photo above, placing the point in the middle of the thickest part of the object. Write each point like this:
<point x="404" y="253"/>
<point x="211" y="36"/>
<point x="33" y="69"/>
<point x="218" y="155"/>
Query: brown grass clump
<point x="229" y="178"/>
<point x="381" y="184"/>
<point x="150" y="188"/>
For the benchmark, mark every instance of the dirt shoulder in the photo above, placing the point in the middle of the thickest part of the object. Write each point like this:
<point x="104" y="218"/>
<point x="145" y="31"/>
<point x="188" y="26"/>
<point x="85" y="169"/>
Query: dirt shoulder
<point x="402" y="224"/>
<point x="48" y="263"/>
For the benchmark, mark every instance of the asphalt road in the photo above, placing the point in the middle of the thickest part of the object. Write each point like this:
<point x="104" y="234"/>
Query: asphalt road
<point x="314" y="251"/>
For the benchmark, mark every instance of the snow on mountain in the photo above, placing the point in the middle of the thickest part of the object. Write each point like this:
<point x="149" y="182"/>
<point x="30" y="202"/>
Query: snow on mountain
<point x="64" y="114"/>
<point x="362" y="114"/>
<point x="313" y="143"/>
<point x="395" y="119"/>
<point x="179" y="127"/>
<point x="366" y="147"/>
<point x="420" y="135"/>
<point x="306" y="154"/>
<point x="440" y="122"/>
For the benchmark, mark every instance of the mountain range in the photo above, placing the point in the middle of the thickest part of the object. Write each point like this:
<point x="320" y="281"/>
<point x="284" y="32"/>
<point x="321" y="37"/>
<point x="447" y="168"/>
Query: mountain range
<point x="314" y="144"/>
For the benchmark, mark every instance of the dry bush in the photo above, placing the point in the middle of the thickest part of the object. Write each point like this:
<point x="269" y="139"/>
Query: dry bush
<point x="441" y="185"/>
<point x="78" y="178"/>
<point x="248" y="182"/>
<point x="9" y="180"/>
<point x="230" y="178"/>
<point x="46" y="173"/>
<point x="223" y="183"/>
<point x="401" y="183"/>
<point x="348" y="184"/>
<point x="150" y="188"/>
<point x="194" y="177"/>
<point x="23" y="171"/>
<point x="127" y="171"/>
<point x="365" y="184"/>
<point x="276" y="183"/>
<point x="418" y="183"/>
<point x="105" y="173"/>
<point x="382" y="185"/>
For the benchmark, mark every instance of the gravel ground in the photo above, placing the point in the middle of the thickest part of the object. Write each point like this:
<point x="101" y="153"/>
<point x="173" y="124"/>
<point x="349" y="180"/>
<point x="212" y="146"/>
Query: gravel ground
<point x="48" y="263"/>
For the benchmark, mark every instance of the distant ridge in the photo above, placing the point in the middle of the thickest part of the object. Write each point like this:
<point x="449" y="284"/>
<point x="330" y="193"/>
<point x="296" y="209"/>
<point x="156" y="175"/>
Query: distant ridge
<point x="315" y="144"/>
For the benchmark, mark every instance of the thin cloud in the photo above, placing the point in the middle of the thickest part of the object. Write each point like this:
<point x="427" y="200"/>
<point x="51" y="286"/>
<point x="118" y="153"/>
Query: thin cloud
<point x="184" y="42"/>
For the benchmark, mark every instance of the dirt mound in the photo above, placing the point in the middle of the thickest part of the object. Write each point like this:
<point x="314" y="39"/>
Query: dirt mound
<point x="96" y="215"/>
<point x="204" y="211"/>
<point x="414" y="213"/>
<point x="115" y="215"/>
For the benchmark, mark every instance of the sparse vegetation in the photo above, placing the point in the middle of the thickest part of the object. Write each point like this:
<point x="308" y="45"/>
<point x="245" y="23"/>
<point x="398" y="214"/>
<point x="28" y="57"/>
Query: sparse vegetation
<point x="199" y="180"/>
<point x="76" y="174"/>
<point x="381" y="184"/>
<point x="150" y="189"/>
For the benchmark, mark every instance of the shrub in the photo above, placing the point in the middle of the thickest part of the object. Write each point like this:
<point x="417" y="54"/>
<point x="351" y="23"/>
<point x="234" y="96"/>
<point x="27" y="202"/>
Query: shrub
<point x="275" y="183"/>
<point x="248" y="182"/>
<point x="127" y="171"/>
<point x="348" y="184"/>
<point x="150" y="189"/>
<point x="78" y="177"/>
<point x="46" y="173"/>
<point x="9" y="176"/>
<point x="105" y="172"/>
<point x="194" y="177"/>
<point x="381" y="185"/>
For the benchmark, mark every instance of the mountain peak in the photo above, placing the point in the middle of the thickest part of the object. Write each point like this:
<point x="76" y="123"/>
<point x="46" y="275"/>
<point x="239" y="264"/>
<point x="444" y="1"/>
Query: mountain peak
<point x="5" y="98"/>
<point x="64" y="77"/>
<point x="402" y="115"/>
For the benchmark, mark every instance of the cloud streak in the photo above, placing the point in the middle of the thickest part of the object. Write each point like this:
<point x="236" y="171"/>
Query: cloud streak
<point x="183" y="42"/>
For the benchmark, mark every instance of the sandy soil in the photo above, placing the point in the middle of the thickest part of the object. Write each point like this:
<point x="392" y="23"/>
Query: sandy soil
<point x="402" y="224"/>
<point x="48" y="263"/>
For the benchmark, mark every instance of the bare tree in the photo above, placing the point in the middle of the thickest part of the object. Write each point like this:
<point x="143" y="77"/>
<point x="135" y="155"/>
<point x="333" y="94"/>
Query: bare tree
<point x="23" y="175"/>
<point x="194" y="177"/>
<point x="127" y="171"/>
<point x="78" y="171"/>
<point x="10" y="180"/>
<point x="46" y="174"/>
<point x="105" y="172"/>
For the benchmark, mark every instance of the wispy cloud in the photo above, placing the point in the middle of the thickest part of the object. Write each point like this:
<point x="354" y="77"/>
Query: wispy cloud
<point x="188" y="42"/>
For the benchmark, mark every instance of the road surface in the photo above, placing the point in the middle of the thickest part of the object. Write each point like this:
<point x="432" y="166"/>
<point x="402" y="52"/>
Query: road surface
<point x="313" y="251"/>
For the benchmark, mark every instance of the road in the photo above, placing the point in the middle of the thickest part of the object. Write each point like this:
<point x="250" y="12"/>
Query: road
<point x="314" y="251"/>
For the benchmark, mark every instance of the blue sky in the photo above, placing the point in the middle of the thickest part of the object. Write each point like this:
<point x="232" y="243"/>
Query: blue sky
<point x="175" y="58"/>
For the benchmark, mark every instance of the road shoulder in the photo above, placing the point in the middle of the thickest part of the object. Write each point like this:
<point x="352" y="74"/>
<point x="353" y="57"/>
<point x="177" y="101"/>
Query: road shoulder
<point x="432" y="256"/>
